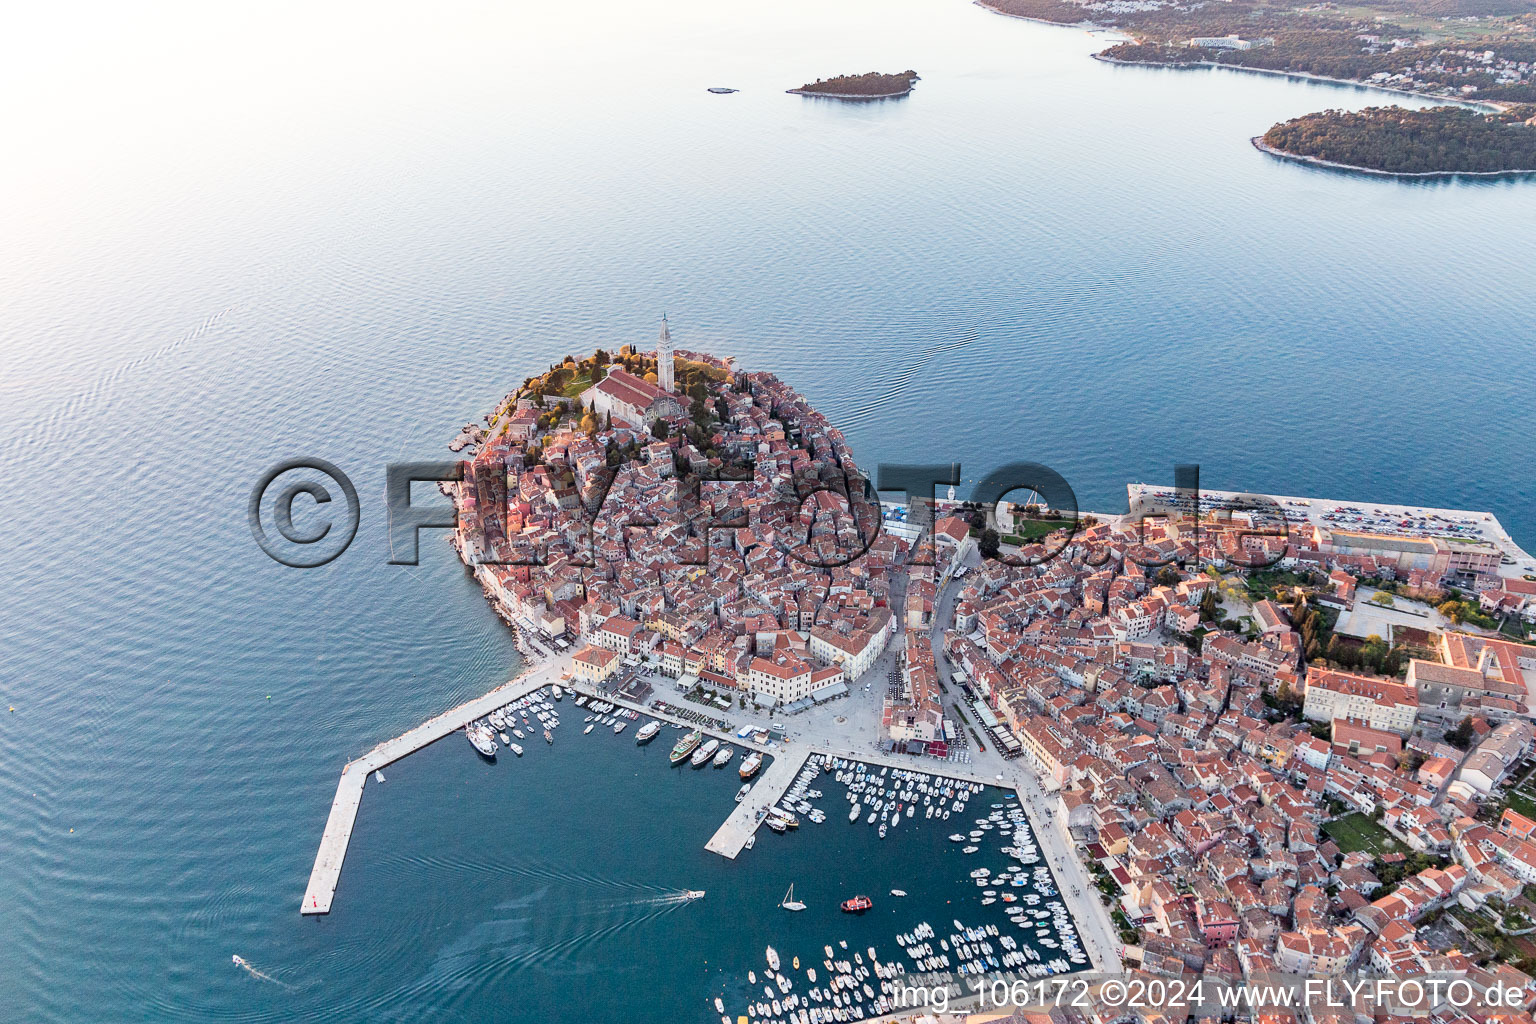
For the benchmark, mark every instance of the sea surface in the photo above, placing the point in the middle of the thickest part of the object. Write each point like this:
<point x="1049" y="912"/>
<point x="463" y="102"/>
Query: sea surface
<point x="234" y="235"/>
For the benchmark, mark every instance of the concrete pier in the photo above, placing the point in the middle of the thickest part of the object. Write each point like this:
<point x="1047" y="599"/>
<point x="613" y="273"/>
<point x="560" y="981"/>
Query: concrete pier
<point x="731" y="836"/>
<point x="349" y="791"/>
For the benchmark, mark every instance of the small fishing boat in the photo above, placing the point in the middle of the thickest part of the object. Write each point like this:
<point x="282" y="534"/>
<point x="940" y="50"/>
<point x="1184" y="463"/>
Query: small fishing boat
<point x="898" y="892"/>
<point x="856" y="905"/>
<point x="549" y="737"/>
<point x="515" y="749"/>
<point x="588" y="729"/>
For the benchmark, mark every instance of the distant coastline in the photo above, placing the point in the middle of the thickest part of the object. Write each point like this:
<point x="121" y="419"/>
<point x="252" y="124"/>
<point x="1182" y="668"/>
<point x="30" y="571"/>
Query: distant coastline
<point x="1385" y="141"/>
<point x="1300" y="76"/>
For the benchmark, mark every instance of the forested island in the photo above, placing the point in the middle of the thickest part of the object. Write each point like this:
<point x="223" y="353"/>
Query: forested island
<point x="1392" y="140"/>
<point x="869" y="86"/>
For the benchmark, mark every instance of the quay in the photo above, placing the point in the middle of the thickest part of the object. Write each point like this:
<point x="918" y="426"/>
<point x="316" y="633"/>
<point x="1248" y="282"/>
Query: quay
<point x="742" y="822"/>
<point x="326" y="873"/>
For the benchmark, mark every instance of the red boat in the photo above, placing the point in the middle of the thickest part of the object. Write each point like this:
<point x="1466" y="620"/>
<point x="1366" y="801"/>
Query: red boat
<point x="857" y="905"/>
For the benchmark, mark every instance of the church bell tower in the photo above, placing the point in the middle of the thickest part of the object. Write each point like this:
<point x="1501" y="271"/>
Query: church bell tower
<point x="664" y="357"/>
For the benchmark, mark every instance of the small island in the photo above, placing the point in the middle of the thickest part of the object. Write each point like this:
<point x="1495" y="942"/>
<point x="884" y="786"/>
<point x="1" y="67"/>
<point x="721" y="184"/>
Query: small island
<point x="1438" y="141"/>
<point x="869" y="86"/>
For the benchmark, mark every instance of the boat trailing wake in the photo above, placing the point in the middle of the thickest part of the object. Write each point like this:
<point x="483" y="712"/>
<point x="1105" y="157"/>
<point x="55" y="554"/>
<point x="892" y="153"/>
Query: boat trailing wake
<point x="245" y="965"/>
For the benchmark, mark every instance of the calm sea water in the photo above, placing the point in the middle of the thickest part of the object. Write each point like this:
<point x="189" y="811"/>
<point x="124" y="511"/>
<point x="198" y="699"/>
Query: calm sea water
<point x="234" y="236"/>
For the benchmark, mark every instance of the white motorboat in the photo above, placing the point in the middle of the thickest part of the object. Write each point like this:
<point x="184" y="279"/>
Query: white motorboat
<point x="704" y="753"/>
<point x="481" y="739"/>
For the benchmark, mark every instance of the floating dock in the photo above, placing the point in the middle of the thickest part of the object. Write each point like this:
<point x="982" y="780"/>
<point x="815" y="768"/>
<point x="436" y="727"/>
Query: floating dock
<point x="349" y="791"/>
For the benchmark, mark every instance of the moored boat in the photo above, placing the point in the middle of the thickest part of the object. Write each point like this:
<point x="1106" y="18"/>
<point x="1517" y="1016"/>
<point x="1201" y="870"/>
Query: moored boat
<point x="481" y="739"/>
<point x="685" y="746"/>
<point x="647" y="732"/>
<point x="750" y="766"/>
<point x="723" y="757"/>
<point x="705" y="752"/>
<point x="856" y="905"/>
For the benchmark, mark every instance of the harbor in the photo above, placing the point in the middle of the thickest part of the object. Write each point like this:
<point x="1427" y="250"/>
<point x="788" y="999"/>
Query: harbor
<point x="326" y="873"/>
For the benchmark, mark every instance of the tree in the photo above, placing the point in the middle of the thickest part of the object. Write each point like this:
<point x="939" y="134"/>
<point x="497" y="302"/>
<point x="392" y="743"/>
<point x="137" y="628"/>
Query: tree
<point x="1461" y="736"/>
<point x="1208" y="610"/>
<point x="659" y="429"/>
<point x="989" y="543"/>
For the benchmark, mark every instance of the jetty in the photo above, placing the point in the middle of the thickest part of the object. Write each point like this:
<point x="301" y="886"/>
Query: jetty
<point x="326" y="873"/>
<point x="731" y="836"/>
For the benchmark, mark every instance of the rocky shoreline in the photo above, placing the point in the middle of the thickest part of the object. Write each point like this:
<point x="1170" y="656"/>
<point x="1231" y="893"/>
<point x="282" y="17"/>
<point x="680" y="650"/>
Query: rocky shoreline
<point x="1264" y="147"/>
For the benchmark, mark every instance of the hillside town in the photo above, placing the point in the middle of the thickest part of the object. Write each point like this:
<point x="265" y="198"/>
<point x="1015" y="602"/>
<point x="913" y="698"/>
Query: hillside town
<point x="1298" y="751"/>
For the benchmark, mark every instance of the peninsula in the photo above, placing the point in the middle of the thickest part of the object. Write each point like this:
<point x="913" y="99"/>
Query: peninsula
<point x="1243" y="734"/>
<point x="872" y="85"/>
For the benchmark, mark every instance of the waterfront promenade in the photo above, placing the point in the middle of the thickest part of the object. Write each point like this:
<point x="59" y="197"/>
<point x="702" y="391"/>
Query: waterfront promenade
<point x="326" y="873"/>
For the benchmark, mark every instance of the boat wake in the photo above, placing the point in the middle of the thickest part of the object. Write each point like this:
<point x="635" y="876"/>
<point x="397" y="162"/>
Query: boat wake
<point x="245" y="965"/>
<point x="665" y="900"/>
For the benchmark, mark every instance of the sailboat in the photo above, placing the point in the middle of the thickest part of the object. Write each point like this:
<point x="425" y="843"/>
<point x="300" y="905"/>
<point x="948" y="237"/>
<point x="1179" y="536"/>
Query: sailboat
<point x="789" y="902"/>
